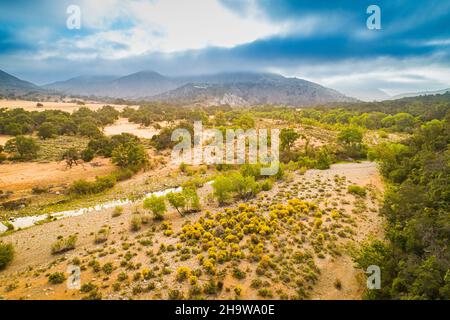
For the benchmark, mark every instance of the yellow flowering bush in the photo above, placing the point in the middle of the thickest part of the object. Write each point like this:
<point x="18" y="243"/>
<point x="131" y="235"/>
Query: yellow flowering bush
<point x="183" y="273"/>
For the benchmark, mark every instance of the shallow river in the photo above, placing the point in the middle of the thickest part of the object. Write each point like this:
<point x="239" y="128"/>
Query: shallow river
<point x="29" y="221"/>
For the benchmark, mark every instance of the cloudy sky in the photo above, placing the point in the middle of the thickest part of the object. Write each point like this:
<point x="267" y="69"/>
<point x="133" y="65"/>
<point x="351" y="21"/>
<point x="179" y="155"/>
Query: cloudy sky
<point x="322" y="41"/>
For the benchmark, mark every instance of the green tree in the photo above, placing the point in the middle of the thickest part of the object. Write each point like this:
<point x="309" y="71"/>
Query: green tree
<point x="390" y="156"/>
<point x="351" y="140"/>
<point x="288" y="138"/>
<point x="47" y="130"/>
<point x="220" y="119"/>
<point x="350" y="136"/>
<point x="222" y="188"/>
<point x="6" y="254"/>
<point x="87" y="155"/>
<point x="25" y="148"/>
<point x="416" y="260"/>
<point x="245" y="187"/>
<point x="2" y="155"/>
<point x="13" y="129"/>
<point x="130" y="155"/>
<point x="324" y="159"/>
<point x="192" y="199"/>
<point x="89" y="129"/>
<point x="185" y="201"/>
<point x="71" y="156"/>
<point x="245" y="122"/>
<point x="177" y="200"/>
<point x="157" y="205"/>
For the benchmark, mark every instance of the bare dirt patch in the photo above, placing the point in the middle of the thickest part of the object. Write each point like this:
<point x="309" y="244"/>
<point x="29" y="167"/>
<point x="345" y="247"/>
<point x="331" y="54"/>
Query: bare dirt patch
<point x="50" y="105"/>
<point x="19" y="177"/>
<point x="4" y="138"/>
<point x="123" y="126"/>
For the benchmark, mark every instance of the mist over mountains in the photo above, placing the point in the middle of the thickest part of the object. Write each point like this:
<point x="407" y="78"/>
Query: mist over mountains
<point x="232" y="88"/>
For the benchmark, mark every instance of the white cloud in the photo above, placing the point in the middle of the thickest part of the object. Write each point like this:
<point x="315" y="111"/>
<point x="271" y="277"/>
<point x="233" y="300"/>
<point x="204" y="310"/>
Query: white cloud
<point x="375" y="79"/>
<point x="169" y="26"/>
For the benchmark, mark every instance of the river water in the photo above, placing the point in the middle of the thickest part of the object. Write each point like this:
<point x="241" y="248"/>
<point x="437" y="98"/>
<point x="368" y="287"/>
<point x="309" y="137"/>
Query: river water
<point x="29" y="221"/>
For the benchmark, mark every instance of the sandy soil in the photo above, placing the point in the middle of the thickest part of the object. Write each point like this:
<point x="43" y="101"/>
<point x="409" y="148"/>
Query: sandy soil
<point x="368" y="223"/>
<point x="4" y="138"/>
<point x="123" y="126"/>
<point x="24" y="176"/>
<point x="64" y="106"/>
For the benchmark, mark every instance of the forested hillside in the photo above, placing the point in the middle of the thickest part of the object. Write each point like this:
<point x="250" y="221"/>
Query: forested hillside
<point x="415" y="263"/>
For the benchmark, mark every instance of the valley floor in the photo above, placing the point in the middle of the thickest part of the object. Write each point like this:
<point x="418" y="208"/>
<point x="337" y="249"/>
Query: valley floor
<point x="143" y="264"/>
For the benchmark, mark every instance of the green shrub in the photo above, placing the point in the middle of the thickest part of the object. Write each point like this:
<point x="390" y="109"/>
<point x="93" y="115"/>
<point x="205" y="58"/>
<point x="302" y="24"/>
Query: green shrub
<point x="104" y="183"/>
<point x="239" y="274"/>
<point x="123" y="174"/>
<point x="6" y="254"/>
<point x="265" y="293"/>
<point x="108" y="268"/>
<point x="177" y="200"/>
<point x="117" y="211"/>
<point x="244" y="187"/>
<point x="192" y="199"/>
<point x="122" y="276"/>
<point x="46" y="130"/>
<point x="183" y="273"/>
<point x="23" y="148"/>
<point x="324" y="159"/>
<point x="256" y="283"/>
<point x="129" y="155"/>
<point x="251" y="170"/>
<point x="102" y="235"/>
<point x="83" y="187"/>
<point x="63" y="245"/>
<point x="136" y="223"/>
<point x="357" y="190"/>
<point x="338" y="284"/>
<point x="56" y="278"/>
<point x="87" y="155"/>
<point x="222" y="189"/>
<point x="156" y="205"/>
<point x="175" y="294"/>
<point x="266" y="185"/>
<point x="88" y="287"/>
<point x="8" y="225"/>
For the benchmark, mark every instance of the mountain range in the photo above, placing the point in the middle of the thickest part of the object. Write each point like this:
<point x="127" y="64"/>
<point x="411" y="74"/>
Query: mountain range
<point x="233" y="88"/>
<point x="421" y="93"/>
<point x="12" y="85"/>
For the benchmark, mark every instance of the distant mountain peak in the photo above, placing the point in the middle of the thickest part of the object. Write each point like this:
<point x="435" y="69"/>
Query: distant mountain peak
<point x="11" y="85"/>
<point x="420" y="93"/>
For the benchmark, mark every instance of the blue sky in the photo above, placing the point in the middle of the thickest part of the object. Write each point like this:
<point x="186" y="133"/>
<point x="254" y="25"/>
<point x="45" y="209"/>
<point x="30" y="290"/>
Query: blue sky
<point x="322" y="41"/>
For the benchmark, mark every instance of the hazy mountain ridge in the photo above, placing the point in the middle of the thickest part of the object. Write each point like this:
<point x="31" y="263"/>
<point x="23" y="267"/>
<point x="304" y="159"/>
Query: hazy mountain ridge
<point x="277" y="90"/>
<point x="420" y="93"/>
<point x="136" y="85"/>
<point x="234" y="88"/>
<point x="13" y="85"/>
